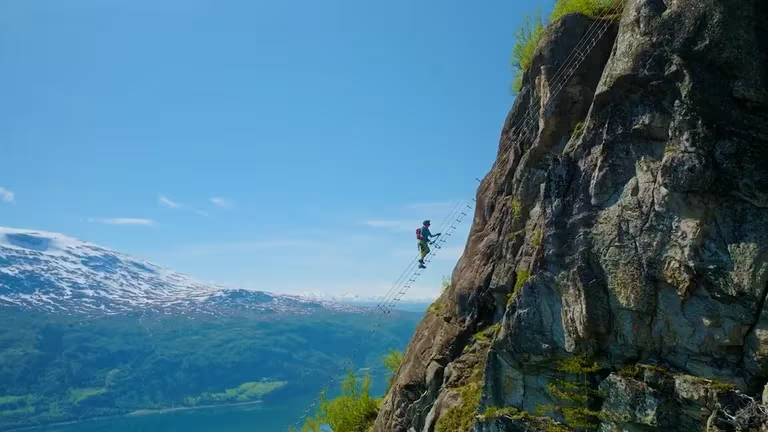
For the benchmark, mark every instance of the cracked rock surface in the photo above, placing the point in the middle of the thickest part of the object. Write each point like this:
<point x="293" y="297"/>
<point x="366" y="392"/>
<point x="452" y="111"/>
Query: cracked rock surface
<point x="639" y="238"/>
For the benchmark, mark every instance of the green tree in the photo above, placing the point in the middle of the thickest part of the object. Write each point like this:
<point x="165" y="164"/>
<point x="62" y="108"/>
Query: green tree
<point x="354" y="411"/>
<point x="392" y="361"/>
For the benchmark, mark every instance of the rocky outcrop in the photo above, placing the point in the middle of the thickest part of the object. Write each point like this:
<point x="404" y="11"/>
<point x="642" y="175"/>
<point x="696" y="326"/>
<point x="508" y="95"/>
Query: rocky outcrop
<point x="629" y="226"/>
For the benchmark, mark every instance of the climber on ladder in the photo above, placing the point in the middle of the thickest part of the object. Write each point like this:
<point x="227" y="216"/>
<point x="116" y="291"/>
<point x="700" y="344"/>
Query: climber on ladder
<point x="423" y="235"/>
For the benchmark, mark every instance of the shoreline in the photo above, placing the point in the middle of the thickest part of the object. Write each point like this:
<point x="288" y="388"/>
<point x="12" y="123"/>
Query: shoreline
<point x="135" y="413"/>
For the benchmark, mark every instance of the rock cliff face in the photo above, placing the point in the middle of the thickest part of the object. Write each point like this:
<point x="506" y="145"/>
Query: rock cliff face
<point x="617" y="268"/>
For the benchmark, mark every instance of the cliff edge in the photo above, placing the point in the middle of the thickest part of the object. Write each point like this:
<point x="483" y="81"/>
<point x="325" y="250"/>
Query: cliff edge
<point x="616" y="272"/>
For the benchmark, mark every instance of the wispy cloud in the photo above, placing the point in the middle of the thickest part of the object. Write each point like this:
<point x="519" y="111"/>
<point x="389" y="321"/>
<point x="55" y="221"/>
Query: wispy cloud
<point x="163" y="200"/>
<point x="222" y="202"/>
<point x="167" y="202"/>
<point x="6" y="195"/>
<point x="122" y="221"/>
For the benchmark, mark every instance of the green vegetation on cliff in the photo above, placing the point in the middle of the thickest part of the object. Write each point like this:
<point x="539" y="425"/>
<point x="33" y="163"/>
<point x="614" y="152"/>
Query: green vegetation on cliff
<point x="529" y="33"/>
<point x="461" y="416"/>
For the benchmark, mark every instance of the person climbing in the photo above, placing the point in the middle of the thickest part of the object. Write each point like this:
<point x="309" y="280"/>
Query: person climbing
<point x="423" y="235"/>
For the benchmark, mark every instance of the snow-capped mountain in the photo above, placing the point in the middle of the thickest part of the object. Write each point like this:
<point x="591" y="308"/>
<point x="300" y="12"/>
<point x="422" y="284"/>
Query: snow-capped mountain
<point x="56" y="273"/>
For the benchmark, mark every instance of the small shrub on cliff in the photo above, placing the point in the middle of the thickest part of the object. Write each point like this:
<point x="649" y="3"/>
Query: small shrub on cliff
<point x="528" y="36"/>
<point x="445" y="283"/>
<point x="521" y="278"/>
<point x="517" y="211"/>
<point x="438" y="307"/>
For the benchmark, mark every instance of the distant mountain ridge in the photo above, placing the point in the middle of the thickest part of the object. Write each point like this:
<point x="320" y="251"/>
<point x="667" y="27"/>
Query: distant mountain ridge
<point x="52" y="272"/>
<point x="89" y="332"/>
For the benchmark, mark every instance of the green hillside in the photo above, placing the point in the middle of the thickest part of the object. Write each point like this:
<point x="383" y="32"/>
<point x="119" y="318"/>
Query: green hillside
<point x="56" y="368"/>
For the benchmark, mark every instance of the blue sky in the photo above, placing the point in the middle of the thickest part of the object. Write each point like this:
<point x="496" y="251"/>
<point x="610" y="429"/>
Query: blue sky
<point x="290" y="146"/>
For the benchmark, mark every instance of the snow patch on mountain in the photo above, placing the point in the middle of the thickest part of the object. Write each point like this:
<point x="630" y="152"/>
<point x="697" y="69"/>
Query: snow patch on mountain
<point x="56" y="273"/>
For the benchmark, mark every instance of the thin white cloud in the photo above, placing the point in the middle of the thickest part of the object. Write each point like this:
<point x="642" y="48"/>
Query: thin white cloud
<point x="167" y="202"/>
<point x="6" y="195"/>
<point x="163" y="200"/>
<point x="222" y="202"/>
<point x="122" y="221"/>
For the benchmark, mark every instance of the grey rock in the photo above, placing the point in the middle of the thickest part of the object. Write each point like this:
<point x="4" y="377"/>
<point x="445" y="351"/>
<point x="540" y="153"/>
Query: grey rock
<point x="631" y="401"/>
<point x="643" y="239"/>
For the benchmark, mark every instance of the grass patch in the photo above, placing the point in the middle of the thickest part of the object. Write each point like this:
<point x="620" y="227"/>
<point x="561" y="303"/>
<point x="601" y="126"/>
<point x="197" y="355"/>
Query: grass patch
<point x="578" y="130"/>
<point x="77" y="395"/>
<point x="18" y="412"/>
<point x="522" y="277"/>
<point x="721" y="386"/>
<point x="528" y="36"/>
<point x="517" y="210"/>
<point x="245" y="392"/>
<point x="590" y="8"/>
<point x="488" y="334"/>
<point x="637" y="371"/>
<point x="15" y="401"/>
<point x="536" y="238"/>
<point x="554" y="427"/>
<point x="461" y="416"/>
<point x="632" y="371"/>
<point x="437" y="308"/>
<point x="498" y="412"/>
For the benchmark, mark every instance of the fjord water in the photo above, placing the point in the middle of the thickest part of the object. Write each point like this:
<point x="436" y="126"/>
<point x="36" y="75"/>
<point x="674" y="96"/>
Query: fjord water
<point x="260" y="417"/>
